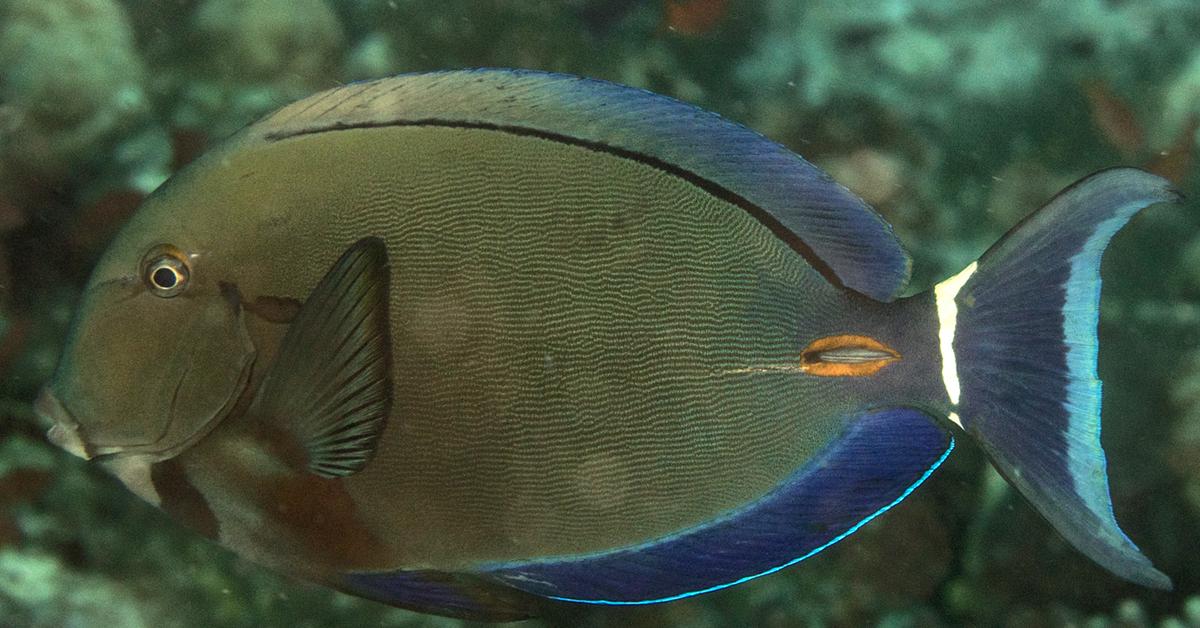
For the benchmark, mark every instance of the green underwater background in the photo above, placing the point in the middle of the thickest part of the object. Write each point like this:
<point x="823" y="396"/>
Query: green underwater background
<point x="954" y="118"/>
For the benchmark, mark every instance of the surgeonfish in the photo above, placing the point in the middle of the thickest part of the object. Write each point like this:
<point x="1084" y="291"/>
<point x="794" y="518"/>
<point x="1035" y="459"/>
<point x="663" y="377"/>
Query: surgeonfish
<point x="473" y="342"/>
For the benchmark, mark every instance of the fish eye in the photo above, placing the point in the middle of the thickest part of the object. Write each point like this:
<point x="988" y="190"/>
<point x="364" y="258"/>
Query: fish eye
<point x="166" y="274"/>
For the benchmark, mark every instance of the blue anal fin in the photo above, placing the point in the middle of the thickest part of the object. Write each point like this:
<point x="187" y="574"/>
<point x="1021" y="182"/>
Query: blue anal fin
<point x="463" y="596"/>
<point x="881" y="458"/>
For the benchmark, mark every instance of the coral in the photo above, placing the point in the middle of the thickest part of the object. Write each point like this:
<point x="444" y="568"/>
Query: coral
<point x="268" y="41"/>
<point x="73" y="84"/>
<point x="38" y="591"/>
<point x="1185" y="438"/>
<point x="1178" y="124"/>
<point x="876" y="176"/>
<point x="959" y="71"/>
<point x="373" y="56"/>
<point x="936" y="54"/>
<point x="250" y="56"/>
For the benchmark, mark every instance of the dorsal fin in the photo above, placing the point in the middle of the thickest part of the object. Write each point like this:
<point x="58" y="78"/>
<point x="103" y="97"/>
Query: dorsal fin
<point x="836" y="231"/>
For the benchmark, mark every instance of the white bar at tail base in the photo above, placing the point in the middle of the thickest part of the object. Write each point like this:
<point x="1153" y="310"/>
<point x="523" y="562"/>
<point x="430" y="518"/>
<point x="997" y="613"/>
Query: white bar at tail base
<point x="947" y="312"/>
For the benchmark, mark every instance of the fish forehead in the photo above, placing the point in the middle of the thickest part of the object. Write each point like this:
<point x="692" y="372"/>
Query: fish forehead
<point x="573" y="334"/>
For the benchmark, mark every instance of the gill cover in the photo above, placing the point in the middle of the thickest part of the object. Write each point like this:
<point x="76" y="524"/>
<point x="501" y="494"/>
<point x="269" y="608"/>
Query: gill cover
<point x="149" y="375"/>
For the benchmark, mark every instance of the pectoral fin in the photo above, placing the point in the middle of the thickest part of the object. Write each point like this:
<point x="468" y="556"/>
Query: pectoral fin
<point x="330" y="384"/>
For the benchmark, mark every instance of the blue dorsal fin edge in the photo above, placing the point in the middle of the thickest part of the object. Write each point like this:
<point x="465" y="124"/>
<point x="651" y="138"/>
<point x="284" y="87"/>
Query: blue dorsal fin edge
<point x="837" y="232"/>
<point x="881" y="458"/>
<point x="1027" y="349"/>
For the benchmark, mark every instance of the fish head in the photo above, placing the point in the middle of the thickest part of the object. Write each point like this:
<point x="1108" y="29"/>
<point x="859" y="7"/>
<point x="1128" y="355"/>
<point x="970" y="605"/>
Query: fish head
<point x="158" y="352"/>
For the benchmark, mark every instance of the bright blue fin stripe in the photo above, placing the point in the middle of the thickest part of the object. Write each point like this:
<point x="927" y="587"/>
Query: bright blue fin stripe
<point x="810" y="554"/>
<point x="880" y="460"/>
<point x="1026" y="347"/>
<point x="830" y="222"/>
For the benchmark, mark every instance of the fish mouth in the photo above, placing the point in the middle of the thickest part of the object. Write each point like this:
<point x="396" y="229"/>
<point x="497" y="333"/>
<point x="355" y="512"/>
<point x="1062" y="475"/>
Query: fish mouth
<point x="64" y="430"/>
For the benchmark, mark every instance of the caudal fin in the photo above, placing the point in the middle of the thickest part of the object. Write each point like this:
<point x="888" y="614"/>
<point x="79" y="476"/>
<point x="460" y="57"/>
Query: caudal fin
<point x="1022" y="370"/>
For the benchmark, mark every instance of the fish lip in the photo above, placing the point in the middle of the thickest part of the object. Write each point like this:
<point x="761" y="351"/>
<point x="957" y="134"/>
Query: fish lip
<point x="65" y="429"/>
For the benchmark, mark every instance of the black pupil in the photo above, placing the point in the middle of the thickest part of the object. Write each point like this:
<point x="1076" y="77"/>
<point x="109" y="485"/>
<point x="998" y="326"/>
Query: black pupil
<point x="164" y="278"/>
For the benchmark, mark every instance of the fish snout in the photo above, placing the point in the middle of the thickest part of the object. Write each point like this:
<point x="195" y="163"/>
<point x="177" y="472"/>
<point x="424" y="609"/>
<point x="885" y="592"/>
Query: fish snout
<point x="65" y="430"/>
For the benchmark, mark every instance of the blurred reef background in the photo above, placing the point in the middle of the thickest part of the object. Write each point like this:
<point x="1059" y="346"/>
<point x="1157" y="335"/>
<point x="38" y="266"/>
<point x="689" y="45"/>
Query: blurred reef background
<point x="953" y="117"/>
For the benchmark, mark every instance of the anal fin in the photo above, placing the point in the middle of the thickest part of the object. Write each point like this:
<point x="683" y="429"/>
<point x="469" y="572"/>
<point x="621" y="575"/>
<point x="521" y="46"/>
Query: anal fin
<point x="450" y="594"/>
<point x="879" y="460"/>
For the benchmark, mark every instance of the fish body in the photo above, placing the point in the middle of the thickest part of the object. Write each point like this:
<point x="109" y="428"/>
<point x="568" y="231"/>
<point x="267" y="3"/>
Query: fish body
<point x="469" y="342"/>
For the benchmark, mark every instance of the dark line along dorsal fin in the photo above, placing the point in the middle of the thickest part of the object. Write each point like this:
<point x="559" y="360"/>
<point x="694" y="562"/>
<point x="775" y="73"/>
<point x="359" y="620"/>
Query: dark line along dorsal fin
<point x="330" y="383"/>
<point x="838" y="232"/>
<point x="881" y="458"/>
